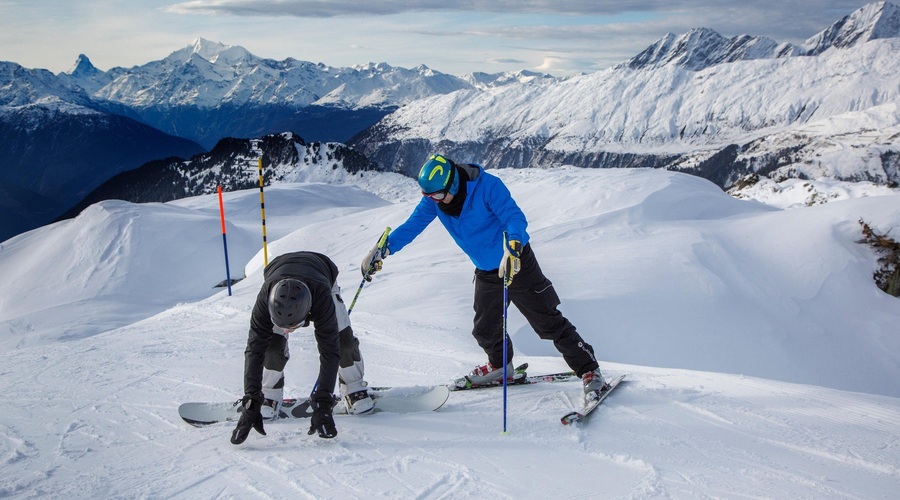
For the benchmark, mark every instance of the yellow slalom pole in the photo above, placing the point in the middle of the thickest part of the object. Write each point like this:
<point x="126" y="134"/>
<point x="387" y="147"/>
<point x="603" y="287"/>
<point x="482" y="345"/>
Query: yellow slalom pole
<point x="262" y="209"/>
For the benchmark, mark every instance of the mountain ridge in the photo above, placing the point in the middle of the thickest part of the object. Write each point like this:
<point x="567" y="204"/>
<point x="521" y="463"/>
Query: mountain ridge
<point x="232" y="165"/>
<point x="701" y="48"/>
<point x="782" y="117"/>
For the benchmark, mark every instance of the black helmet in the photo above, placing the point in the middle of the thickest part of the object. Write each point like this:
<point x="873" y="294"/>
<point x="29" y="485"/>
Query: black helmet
<point x="289" y="303"/>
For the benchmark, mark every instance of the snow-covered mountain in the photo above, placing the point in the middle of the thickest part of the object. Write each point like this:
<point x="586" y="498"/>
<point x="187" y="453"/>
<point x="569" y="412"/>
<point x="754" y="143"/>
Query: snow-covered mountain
<point x="761" y="359"/>
<point x="234" y="164"/>
<point x="874" y="21"/>
<point x="208" y="74"/>
<point x="63" y="135"/>
<point x="209" y="90"/>
<point x="700" y="103"/>
<point x="702" y="47"/>
<point x="57" y="145"/>
<point x="490" y="80"/>
<point x="21" y="86"/>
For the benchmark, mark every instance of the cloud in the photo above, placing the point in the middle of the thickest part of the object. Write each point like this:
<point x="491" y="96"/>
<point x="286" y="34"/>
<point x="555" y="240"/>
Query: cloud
<point x="566" y="65"/>
<point x="774" y="18"/>
<point x="771" y="10"/>
<point x="506" y="60"/>
<point x="298" y="8"/>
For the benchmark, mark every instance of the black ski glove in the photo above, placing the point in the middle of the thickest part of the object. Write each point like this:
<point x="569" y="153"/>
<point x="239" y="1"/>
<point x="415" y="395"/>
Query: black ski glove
<point x="250" y="417"/>
<point x="322" y="421"/>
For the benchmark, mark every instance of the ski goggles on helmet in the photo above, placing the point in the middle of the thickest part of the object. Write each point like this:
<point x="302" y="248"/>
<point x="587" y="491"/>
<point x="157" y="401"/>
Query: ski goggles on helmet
<point x="438" y="196"/>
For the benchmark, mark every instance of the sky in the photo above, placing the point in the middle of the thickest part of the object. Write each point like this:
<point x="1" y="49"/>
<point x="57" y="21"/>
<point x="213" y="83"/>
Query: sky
<point x="713" y="308"/>
<point x="560" y="37"/>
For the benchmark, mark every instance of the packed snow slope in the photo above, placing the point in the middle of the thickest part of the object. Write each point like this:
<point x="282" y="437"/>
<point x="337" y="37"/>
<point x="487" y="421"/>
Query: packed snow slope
<point x="761" y="359"/>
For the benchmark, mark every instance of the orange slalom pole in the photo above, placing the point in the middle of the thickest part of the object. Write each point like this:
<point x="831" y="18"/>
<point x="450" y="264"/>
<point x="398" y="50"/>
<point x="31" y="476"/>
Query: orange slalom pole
<point x="224" y="241"/>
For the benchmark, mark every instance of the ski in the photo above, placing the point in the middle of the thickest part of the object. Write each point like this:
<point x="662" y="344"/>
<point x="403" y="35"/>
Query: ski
<point x="579" y="416"/>
<point x="520" y="377"/>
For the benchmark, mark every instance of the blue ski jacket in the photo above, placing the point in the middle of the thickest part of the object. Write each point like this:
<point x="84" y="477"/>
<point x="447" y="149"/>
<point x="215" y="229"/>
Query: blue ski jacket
<point x="488" y="210"/>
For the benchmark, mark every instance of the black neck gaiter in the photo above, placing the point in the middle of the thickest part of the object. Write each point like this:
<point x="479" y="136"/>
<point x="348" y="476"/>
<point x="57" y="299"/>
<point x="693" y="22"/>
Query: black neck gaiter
<point x="454" y="208"/>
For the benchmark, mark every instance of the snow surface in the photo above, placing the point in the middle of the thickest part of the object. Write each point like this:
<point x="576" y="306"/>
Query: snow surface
<point x="762" y="361"/>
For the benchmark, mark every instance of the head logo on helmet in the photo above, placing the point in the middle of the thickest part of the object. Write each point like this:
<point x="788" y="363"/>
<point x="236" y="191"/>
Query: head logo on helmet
<point x="289" y="304"/>
<point x="438" y="175"/>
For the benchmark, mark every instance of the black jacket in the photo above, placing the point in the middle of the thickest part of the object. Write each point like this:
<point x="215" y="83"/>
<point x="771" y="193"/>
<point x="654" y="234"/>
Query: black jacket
<point x="319" y="273"/>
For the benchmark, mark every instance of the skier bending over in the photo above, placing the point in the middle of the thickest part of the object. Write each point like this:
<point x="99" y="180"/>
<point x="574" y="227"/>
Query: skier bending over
<point x="300" y="288"/>
<point x="476" y="208"/>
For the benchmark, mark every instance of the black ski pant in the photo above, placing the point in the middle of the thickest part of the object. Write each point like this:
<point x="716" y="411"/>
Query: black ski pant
<point x="350" y="370"/>
<point x="534" y="296"/>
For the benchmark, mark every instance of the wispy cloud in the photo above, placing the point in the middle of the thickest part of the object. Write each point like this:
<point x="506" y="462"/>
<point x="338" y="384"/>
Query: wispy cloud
<point x="774" y="18"/>
<point x="772" y="10"/>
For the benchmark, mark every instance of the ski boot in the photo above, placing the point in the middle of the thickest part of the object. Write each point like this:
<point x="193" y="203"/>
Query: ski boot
<point x="594" y="385"/>
<point x="359" y="402"/>
<point x="270" y="409"/>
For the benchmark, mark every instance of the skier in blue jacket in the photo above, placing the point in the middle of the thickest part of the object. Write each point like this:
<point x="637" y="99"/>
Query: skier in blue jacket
<point x="476" y="208"/>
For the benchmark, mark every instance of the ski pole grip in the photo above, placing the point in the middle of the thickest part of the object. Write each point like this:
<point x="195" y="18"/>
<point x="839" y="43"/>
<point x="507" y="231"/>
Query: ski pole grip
<point x="382" y="242"/>
<point x="505" y="263"/>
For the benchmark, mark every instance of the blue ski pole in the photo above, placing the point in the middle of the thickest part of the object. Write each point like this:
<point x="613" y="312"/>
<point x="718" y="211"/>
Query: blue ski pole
<point x="505" y="336"/>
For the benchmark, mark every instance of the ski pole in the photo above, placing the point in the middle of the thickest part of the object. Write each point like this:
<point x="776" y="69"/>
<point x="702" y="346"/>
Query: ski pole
<point x="368" y="275"/>
<point x="506" y="281"/>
